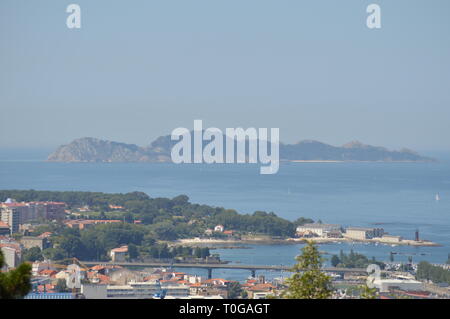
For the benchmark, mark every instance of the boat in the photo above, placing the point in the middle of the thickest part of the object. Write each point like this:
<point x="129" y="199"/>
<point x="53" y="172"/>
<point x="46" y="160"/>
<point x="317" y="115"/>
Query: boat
<point x="437" y="197"/>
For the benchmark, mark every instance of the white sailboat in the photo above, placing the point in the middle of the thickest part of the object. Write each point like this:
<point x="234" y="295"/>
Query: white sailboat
<point x="437" y="197"/>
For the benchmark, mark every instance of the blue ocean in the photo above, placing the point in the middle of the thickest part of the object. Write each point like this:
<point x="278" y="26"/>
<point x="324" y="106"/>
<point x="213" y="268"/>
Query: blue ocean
<point x="400" y="197"/>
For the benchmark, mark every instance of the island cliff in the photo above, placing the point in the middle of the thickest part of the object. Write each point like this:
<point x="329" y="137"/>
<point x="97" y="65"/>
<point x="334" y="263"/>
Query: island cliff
<point x="90" y="149"/>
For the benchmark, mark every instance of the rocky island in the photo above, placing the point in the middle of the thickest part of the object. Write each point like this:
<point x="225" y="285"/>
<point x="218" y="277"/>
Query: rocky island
<point x="90" y="149"/>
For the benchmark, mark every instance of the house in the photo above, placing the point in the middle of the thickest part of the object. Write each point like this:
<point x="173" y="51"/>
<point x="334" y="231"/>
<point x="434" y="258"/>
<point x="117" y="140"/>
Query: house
<point x="37" y="266"/>
<point x="119" y="254"/>
<point x="124" y="276"/>
<point x="97" y="278"/>
<point x="85" y="223"/>
<point x="48" y="273"/>
<point x="228" y="233"/>
<point x="318" y="230"/>
<point x="115" y="207"/>
<point x="47" y="234"/>
<point x="106" y="269"/>
<point x="260" y="291"/>
<point x="30" y="242"/>
<point x="219" y="228"/>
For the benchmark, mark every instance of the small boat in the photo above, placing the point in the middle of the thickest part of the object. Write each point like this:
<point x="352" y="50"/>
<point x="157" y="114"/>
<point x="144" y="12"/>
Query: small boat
<point x="437" y="197"/>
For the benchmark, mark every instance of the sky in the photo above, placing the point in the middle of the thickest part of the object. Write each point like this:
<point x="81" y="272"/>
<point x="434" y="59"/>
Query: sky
<point x="139" y="69"/>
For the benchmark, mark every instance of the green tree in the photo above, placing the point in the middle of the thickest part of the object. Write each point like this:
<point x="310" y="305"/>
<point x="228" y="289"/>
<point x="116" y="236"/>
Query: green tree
<point x="205" y="252"/>
<point x="368" y="293"/>
<point x="61" y="285"/>
<point x="335" y="260"/>
<point x="133" y="251"/>
<point x="128" y="218"/>
<point x="308" y="281"/>
<point x="16" y="283"/>
<point x="234" y="290"/>
<point x="33" y="254"/>
<point x="198" y="252"/>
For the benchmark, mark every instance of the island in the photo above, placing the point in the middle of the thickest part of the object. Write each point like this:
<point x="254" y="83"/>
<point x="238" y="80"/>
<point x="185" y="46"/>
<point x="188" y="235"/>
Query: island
<point x="90" y="149"/>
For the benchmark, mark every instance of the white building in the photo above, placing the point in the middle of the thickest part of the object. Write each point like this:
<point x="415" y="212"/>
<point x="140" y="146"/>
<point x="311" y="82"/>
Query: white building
<point x="11" y="256"/>
<point x="134" y="290"/>
<point x="409" y="284"/>
<point x="316" y="229"/>
<point x="94" y="291"/>
<point x="38" y="266"/>
<point x="119" y="254"/>
<point x="11" y="216"/>
<point x="219" y="228"/>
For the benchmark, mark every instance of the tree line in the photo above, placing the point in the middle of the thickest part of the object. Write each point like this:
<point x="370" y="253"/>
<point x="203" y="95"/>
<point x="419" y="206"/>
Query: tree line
<point x="169" y="218"/>
<point x="436" y="274"/>
<point x="94" y="243"/>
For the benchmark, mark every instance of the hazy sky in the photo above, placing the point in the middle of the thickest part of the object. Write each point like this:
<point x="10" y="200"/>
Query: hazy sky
<point x="139" y="69"/>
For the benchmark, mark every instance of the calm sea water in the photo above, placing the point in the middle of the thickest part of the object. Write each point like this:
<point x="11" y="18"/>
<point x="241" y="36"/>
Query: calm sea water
<point x="398" y="196"/>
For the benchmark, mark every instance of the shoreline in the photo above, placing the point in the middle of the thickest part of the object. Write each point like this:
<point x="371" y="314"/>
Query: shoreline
<point x="293" y="241"/>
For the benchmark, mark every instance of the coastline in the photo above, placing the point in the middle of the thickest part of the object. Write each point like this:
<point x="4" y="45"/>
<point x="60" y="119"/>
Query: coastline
<point x="291" y="241"/>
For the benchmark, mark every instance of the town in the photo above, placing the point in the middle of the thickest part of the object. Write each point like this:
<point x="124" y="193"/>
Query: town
<point x="76" y="251"/>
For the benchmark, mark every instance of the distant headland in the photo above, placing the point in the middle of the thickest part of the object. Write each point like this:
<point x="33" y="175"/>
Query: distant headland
<point x="90" y="149"/>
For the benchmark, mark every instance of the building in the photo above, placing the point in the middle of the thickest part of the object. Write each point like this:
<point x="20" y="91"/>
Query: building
<point x="11" y="216"/>
<point x="119" y="254"/>
<point x="392" y="238"/>
<point x="14" y="214"/>
<point x="51" y="295"/>
<point x="361" y="233"/>
<point x="55" y="210"/>
<point x="176" y="290"/>
<point x="4" y="228"/>
<point x="11" y="253"/>
<point x="94" y="291"/>
<point x="86" y="223"/>
<point x="219" y="228"/>
<point x="260" y="291"/>
<point x="37" y="210"/>
<point x="30" y="242"/>
<point x="38" y="266"/>
<point x="384" y="285"/>
<point x="133" y="290"/>
<point x="317" y="230"/>
<point x="122" y="276"/>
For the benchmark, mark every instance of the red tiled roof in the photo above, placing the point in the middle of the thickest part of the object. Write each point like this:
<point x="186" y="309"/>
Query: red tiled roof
<point x="48" y="272"/>
<point x="100" y="267"/>
<point x="45" y="235"/>
<point x="122" y="249"/>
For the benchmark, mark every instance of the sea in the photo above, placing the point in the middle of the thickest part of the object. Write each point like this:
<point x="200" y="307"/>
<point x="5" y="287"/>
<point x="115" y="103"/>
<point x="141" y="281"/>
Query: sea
<point x="399" y="197"/>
